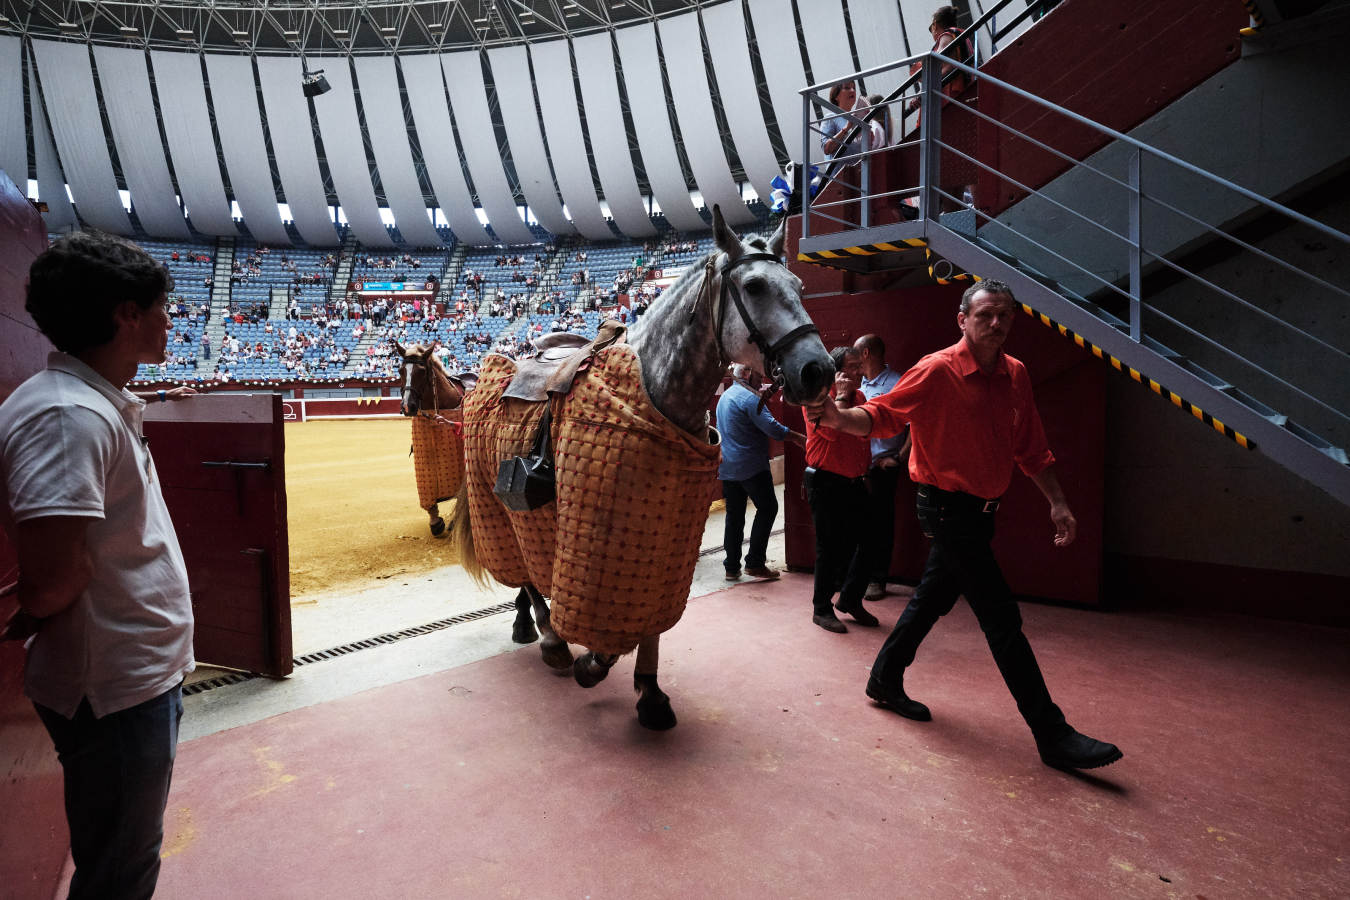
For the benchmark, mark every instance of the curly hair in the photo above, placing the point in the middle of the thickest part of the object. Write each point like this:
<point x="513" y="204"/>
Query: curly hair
<point x="77" y="283"/>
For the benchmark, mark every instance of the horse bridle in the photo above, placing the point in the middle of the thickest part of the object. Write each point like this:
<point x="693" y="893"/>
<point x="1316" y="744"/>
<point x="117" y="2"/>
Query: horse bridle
<point x="435" y="414"/>
<point x="770" y="351"/>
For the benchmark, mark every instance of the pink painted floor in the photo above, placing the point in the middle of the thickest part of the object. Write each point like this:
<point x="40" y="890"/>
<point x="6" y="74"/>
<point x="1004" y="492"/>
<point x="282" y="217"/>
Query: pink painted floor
<point x="498" y="779"/>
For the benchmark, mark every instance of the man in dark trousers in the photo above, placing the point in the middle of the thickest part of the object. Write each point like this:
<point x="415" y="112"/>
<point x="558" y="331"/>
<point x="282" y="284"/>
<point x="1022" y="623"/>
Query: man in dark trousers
<point x="883" y="474"/>
<point x="971" y="415"/>
<point x="746" y="427"/>
<point x="102" y="590"/>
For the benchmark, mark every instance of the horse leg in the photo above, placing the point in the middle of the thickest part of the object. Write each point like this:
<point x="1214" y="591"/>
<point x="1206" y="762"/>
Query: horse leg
<point x="437" y="523"/>
<point x="591" y="668"/>
<point x="522" y="629"/>
<point x="553" y="648"/>
<point x="653" y="706"/>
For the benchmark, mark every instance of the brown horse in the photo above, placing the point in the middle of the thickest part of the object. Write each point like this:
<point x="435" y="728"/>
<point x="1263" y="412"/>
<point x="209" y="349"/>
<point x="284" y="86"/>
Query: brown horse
<point x="434" y="397"/>
<point x="738" y="304"/>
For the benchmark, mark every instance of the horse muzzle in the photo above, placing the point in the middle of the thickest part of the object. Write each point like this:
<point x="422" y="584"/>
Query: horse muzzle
<point x="807" y="370"/>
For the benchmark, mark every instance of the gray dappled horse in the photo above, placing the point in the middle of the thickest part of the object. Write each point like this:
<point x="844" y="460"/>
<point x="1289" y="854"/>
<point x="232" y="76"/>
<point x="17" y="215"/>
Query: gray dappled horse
<point x="738" y="304"/>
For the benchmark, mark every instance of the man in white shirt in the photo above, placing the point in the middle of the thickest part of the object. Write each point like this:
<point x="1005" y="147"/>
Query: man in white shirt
<point x="102" y="588"/>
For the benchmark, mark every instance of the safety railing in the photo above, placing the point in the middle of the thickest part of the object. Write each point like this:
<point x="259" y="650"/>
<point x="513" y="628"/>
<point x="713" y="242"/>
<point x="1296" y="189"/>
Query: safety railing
<point x="1145" y="238"/>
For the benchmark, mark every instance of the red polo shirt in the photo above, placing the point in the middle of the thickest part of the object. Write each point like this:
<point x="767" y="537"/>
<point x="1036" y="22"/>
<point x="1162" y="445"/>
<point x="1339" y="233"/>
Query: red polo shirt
<point x="968" y="428"/>
<point x="834" y="451"/>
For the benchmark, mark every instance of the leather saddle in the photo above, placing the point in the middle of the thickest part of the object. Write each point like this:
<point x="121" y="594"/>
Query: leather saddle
<point x="561" y="356"/>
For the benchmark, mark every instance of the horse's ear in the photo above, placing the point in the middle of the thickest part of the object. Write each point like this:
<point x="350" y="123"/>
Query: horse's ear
<point x="399" y="348"/>
<point x="779" y="238"/>
<point x="727" y="241"/>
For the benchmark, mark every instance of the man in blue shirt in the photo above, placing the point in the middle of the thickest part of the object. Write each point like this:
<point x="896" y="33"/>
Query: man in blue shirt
<point x="888" y="463"/>
<point x="746" y="429"/>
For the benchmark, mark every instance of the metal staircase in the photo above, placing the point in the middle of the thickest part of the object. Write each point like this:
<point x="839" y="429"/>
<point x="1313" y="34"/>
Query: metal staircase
<point x="1137" y="256"/>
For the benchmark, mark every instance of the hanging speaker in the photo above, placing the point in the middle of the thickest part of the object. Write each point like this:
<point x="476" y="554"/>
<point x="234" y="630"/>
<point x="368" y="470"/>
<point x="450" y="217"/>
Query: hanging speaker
<point x="314" y="84"/>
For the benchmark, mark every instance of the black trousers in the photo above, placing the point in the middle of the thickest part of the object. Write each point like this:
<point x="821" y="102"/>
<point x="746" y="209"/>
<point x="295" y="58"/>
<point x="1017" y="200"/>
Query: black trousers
<point x="837" y="512"/>
<point x="758" y="489"/>
<point x="873" y="559"/>
<point x="962" y="562"/>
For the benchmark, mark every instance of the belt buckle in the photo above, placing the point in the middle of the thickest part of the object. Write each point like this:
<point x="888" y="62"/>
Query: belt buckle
<point x="990" y="506"/>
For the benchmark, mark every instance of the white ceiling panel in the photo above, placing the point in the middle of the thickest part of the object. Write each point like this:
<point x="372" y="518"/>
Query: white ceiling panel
<point x="234" y="94"/>
<point x="473" y="120"/>
<point x="880" y="38"/>
<point x="915" y="16"/>
<point x="724" y="26"/>
<point x="60" y="215"/>
<point x="647" y="104"/>
<point x="609" y="141"/>
<point x="436" y="137"/>
<point x="567" y="147"/>
<point x="345" y="153"/>
<point x="827" y="41"/>
<point x="13" y="142"/>
<point x="383" y="106"/>
<point x="776" y="37"/>
<point x="515" y="99"/>
<point x="178" y="79"/>
<point x="126" y="97"/>
<point x="77" y="127"/>
<point x="292" y="134"/>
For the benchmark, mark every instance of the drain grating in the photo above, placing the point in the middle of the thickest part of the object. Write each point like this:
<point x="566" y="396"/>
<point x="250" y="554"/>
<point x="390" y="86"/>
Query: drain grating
<point x="709" y="551"/>
<point x="379" y="640"/>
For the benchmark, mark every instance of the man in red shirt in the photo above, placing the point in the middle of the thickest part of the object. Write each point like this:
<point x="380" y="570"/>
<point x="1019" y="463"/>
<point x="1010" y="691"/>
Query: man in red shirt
<point x="972" y="415"/>
<point x="836" y="464"/>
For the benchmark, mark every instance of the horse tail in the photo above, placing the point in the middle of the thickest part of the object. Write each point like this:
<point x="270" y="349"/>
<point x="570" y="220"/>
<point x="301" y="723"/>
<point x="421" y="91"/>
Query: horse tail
<point x="461" y="531"/>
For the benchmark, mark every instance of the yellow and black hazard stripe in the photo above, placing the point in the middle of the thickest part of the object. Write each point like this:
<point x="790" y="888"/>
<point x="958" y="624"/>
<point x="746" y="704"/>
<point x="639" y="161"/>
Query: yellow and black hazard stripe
<point x="953" y="275"/>
<point x="1237" y="437"/>
<point x="827" y="257"/>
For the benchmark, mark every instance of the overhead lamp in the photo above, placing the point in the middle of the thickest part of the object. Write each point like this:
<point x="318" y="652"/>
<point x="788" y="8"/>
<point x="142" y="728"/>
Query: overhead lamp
<point x="65" y="24"/>
<point x="388" y="29"/>
<point x="481" y="20"/>
<point x="128" y="29"/>
<point x="290" y="34"/>
<point x="312" y="84"/>
<point x="435" y="26"/>
<point x="239" y="34"/>
<point x="185" y="34"/>
<point x="339" y="31"/>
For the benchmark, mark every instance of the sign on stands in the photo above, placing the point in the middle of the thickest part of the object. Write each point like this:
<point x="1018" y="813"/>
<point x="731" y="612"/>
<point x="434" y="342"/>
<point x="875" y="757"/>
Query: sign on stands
<point x="393" y="287"/>
<point x="304" y="409"/>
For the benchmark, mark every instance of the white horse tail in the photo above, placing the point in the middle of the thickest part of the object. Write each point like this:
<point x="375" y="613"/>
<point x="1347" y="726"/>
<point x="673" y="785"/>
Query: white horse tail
<point x="461" y="531"/>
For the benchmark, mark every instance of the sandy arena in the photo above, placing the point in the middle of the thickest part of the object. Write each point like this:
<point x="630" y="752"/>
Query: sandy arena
<point x="352" y="506"/>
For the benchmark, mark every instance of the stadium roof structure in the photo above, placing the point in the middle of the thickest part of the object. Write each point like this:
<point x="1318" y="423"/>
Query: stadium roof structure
<point x="584" y="111"/>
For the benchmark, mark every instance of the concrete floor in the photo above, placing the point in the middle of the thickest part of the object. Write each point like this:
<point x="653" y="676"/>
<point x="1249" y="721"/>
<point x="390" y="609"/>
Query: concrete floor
<point x="455" y="765"/>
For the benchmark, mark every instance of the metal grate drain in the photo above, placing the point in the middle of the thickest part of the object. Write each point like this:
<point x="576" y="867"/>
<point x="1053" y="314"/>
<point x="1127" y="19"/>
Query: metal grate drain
<point x="379" y="640"/>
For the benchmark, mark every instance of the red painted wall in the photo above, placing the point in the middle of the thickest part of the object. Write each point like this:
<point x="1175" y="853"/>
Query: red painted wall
<point x="1116" y="62"/>
<point x="33" y="836"/>
<point x="1070" y="393"/>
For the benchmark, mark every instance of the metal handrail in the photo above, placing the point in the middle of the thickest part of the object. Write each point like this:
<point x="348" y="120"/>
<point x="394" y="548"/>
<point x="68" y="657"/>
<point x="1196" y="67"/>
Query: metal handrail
<point x="930" y="193"/>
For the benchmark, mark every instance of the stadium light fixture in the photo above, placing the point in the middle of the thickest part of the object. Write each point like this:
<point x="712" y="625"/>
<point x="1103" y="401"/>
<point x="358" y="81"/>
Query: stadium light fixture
<point x="67" y="25"/>
<point x="435" y="26"/>
<point x="388" y="29"/>
<point x="340" y="31"/>
<point x="312" y="84"/>
<point x="128" y="29"/>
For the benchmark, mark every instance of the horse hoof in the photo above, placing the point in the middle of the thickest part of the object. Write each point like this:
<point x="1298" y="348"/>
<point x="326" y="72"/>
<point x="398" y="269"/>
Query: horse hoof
<point x="656" y="713"/>
<point x="524" y="634"/>
<point x="587" y="671"/>
<point x="437" y="527"/>
<point x="556" y="656"/>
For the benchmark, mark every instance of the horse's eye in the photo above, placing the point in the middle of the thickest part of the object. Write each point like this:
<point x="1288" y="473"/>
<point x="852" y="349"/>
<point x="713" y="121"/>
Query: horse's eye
<point x="756" y="284"/>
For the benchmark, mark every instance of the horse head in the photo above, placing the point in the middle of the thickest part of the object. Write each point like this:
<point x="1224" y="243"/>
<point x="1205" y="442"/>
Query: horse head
<point x="425" y="384"/>
<point x="762" y="323"/>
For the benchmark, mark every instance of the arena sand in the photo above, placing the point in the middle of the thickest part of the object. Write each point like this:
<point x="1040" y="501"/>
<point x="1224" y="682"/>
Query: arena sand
<point x="352" y="510"/>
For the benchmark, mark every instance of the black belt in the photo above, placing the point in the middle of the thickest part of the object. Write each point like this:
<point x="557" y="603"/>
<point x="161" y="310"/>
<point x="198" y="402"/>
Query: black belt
<point x="959" y="499"/>
<point x="813" y="472"/>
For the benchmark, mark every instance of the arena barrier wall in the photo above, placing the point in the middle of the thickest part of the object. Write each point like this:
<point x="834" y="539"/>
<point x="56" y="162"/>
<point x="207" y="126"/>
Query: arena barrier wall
<point x="304" y="410"/>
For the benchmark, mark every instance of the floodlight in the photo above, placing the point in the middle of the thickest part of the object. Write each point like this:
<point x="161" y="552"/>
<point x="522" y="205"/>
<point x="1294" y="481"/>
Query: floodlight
<point x="313" y="83"/>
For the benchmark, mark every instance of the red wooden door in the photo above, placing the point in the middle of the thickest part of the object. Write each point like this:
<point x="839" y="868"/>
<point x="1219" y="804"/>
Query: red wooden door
<point x="221" y="462"/>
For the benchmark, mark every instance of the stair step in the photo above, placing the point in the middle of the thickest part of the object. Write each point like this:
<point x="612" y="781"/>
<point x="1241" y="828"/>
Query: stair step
<point x="1257" y="406"/>
<point x="1317" y="441"/>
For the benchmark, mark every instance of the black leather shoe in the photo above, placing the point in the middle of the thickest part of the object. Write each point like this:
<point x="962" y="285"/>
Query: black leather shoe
<point x="860" y="615"/>
<point x="830" y="623"/>
<point x="896" y="700"/>
<point x="1073" y="750"/>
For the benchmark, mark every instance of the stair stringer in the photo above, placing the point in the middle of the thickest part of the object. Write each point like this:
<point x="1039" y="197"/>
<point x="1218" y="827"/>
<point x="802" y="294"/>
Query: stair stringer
<point x="1164" y="376"/>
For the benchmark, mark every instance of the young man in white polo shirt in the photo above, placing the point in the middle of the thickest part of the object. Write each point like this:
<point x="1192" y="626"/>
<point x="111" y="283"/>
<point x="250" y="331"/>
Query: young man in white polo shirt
<point x="102" y="588"/>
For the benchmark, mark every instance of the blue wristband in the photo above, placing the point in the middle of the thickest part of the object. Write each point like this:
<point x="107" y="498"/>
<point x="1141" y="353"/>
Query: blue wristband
<point x="163" y="396"/>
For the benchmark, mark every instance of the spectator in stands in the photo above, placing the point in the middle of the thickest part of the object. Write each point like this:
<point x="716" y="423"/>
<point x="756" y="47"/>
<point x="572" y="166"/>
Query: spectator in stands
<point x="102" y="589"/>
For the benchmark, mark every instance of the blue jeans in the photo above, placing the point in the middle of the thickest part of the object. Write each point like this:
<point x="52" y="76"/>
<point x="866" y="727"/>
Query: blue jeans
<point x="117" y="772"/>
<point x="758" y="488"/>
